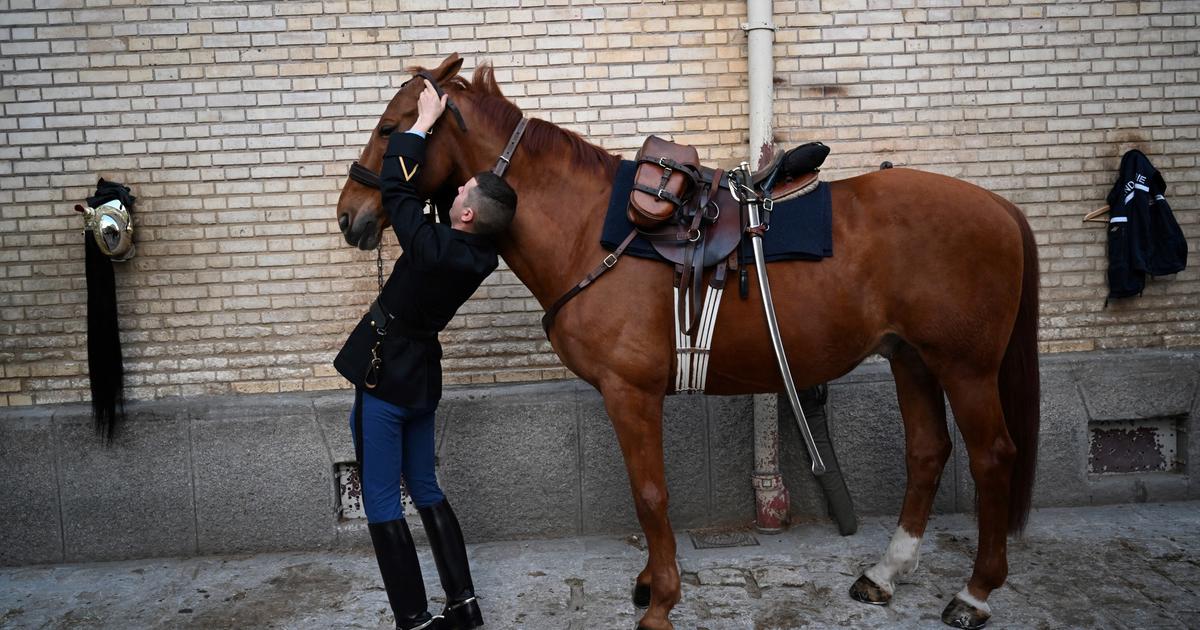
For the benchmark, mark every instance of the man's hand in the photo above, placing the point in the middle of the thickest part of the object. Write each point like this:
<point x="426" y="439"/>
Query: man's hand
<point x="429" y="108"/>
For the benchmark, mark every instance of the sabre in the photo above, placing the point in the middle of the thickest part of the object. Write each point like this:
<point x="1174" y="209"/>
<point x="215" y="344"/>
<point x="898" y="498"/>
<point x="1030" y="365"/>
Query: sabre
<point x="751" y="200"/>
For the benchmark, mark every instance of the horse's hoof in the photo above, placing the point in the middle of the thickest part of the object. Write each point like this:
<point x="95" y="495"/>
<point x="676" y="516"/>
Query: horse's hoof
<point x="868" y="592"/>
<point x="960" y="614"/>
<point x="641" y="596"/>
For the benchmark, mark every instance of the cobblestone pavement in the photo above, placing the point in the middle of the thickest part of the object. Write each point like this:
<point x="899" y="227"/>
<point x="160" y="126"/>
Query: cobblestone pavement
<point x="1125" y="566"/>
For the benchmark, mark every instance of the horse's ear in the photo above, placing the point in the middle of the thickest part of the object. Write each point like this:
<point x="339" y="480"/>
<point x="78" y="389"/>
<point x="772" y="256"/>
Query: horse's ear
<point x="449" y="67"/>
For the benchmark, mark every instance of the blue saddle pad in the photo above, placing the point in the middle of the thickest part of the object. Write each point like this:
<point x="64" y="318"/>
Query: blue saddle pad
<point x="801" y="228"/>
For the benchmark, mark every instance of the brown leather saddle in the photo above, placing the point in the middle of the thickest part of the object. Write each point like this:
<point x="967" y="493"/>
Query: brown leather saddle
<point x="688" y="214"/>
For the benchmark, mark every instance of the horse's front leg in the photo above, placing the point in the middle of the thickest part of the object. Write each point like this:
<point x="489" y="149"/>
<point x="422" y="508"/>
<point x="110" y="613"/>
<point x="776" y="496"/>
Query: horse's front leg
<point x="637" y="417"/>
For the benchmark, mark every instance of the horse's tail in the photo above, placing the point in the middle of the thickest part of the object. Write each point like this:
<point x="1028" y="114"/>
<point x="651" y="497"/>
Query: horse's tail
<point x="1020" y="384"/>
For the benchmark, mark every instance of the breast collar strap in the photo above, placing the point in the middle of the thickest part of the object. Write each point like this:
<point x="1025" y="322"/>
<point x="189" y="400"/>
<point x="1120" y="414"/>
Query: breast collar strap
<point x="506" y="157"/>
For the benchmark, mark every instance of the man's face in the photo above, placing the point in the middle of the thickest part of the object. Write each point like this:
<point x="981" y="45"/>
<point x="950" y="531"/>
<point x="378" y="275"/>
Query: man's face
<point x="460" y="203"/>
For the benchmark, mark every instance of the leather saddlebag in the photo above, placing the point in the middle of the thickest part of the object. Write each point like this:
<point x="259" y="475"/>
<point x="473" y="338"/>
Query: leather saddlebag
<point x="665" y="180"/>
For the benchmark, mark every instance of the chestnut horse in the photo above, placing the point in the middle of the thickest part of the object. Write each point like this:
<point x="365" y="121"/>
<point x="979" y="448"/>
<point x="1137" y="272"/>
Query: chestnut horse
<point x="937" y="275"/>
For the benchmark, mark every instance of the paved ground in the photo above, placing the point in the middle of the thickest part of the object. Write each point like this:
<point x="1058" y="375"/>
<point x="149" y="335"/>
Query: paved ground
<point x="1128" y="566"/>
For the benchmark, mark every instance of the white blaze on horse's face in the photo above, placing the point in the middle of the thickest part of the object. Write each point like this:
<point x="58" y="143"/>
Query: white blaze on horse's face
<point x="901" y="558"/>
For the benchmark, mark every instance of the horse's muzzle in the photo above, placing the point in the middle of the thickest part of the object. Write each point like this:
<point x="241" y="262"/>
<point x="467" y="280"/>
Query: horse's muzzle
<point x="364" y="233"/>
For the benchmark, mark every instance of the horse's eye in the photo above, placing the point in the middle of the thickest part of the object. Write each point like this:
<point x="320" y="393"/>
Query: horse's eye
<point x="386" y="131"/>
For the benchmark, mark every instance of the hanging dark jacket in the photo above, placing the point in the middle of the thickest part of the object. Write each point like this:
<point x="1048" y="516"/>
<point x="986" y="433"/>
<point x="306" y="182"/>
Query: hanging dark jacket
<point x="1143" y="236"/>
<point x="438" y="270"/>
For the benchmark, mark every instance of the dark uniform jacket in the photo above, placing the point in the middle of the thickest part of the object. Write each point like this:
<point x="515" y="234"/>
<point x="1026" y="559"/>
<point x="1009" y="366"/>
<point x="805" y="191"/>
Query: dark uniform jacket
<point x="438" y="270"/>
<point x="1143" y="236"/>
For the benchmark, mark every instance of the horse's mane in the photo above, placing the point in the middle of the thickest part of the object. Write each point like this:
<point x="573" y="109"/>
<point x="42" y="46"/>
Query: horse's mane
<point x="540" y="136"/>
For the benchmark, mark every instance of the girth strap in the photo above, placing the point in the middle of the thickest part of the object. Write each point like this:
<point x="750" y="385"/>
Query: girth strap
<point x="609" y="262"/>
<point x="691" y="272"/>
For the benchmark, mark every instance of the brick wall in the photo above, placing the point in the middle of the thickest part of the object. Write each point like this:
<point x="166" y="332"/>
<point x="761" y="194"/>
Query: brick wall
<point x="234" y="123"/>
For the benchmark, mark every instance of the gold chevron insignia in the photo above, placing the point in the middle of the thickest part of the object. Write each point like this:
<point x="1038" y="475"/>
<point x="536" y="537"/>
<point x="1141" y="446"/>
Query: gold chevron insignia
<point x="408" y="175"/>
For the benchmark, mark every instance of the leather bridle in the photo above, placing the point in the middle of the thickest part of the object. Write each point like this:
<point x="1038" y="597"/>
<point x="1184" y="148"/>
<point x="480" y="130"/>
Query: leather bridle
<point x="370" y="179"/>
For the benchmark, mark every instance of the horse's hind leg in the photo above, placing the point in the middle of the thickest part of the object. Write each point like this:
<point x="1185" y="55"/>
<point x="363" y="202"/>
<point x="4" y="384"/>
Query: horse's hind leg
<point x="928" y="447"/>
<point x="976" y="404"/>
<point x="637" y="418"/>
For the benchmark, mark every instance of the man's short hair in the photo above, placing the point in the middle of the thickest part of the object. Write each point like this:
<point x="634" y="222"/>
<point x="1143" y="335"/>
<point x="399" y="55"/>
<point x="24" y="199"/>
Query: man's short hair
<point x="494" y="203"/>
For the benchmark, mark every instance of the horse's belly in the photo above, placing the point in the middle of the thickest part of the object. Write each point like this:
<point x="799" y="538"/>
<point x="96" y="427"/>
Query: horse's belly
<point x="825" y="331"/>
<point x="920" y="257"/>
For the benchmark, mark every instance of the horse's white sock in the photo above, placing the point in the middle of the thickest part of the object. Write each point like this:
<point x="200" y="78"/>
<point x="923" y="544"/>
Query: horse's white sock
<point x="974" y="601"/>
<point x="901" y="558"/>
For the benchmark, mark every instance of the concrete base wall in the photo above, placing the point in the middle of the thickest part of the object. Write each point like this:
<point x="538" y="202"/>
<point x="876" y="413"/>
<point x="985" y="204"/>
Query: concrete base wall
<point x="255" y="473"/>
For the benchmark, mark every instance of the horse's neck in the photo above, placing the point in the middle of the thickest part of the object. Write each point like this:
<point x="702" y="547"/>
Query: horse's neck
<point x="555" y="233"/>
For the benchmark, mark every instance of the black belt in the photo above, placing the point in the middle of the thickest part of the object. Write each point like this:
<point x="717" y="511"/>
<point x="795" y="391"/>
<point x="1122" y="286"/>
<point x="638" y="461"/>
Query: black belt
<point x="384" y="323"/>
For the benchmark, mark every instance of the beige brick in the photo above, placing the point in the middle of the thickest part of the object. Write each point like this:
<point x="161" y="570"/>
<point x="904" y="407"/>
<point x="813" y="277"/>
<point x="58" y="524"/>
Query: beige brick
<point x="235" y="123"/>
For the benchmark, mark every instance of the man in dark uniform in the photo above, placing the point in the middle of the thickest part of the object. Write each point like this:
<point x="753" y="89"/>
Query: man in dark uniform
<point x="393" y="358"/>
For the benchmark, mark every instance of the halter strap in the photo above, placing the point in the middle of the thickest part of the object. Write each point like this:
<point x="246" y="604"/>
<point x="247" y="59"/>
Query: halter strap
<point x="424" y="74"/>
<point x="506" y="157"/>
<point x="364" y="176"/>
<point x="370" y="179"/>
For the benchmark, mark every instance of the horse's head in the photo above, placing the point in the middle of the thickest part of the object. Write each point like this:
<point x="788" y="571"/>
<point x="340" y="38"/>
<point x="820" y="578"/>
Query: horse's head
<point x="360" y="212"/>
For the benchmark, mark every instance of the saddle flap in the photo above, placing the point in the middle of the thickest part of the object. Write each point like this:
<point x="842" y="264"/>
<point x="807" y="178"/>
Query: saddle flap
<point x="720" y="237"/>
<point x="664" y="181"/>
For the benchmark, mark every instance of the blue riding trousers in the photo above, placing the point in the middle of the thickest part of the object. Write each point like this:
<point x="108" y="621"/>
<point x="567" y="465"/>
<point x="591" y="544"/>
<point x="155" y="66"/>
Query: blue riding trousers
<point x="397" y="442"/>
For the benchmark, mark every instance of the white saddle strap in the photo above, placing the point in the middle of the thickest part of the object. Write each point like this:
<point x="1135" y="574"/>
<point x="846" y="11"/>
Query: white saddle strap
<point x="692" y="353"/>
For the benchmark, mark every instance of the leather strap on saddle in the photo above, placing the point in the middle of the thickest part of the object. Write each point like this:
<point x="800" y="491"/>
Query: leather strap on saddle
<point x="666" y="179"/>
<point x="691" y="272"/>
<point x="609" y="262"/>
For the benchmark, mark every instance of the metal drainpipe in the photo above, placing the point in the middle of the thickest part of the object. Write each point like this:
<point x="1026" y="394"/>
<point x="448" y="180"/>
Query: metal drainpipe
<point x="770" y="495"/>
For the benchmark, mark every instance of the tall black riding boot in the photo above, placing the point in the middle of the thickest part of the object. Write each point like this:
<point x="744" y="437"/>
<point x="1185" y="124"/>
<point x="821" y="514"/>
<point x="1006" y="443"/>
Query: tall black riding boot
<point x="402" y="575"/>
<point x="450" y="553"/>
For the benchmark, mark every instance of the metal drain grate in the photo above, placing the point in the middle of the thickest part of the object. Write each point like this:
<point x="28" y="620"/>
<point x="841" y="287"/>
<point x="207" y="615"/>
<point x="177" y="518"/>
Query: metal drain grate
<point x="717" y="538"/>
<point x="349" y="489"/>
<point x="1137" y="446"/>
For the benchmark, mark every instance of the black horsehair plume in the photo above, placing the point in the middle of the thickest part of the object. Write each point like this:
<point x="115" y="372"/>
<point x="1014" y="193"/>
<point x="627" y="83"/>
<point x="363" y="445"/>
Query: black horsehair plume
<point x="106" y="368"/>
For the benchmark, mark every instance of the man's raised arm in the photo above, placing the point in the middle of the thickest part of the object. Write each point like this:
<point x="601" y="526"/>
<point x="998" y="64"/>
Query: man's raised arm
<point x="402" y="161"/>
